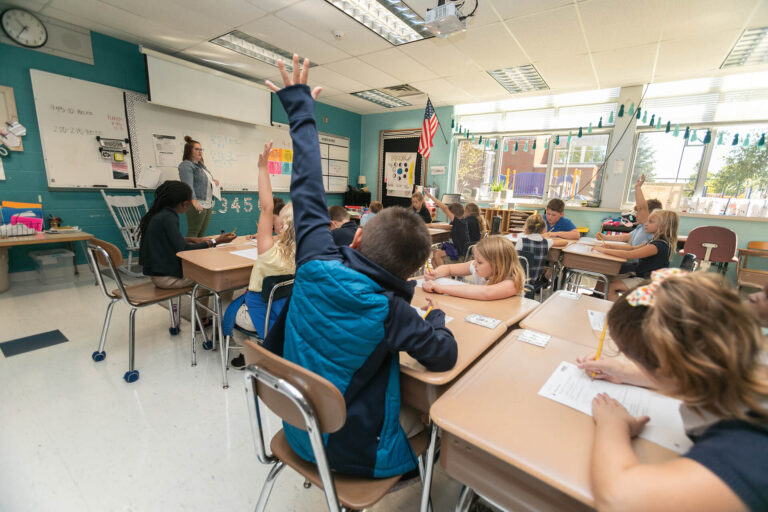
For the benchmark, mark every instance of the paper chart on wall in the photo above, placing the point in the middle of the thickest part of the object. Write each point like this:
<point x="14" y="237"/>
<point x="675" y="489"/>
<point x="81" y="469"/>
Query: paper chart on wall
<point x="399" y="173"/>
<point x="166" y="150"/>
<point x="572" y="387"/>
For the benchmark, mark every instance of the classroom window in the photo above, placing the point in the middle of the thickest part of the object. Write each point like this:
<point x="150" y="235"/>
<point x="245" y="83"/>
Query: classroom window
<point x="673" y="163"/>
<point x="475" y="164"/>
<point x="575" y="167"/>
<point x="523" y="169"/>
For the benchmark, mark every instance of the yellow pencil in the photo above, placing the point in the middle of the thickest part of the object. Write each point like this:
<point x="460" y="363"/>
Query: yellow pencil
<point x="600" y="345"/>
<point x="427" y="313"/>
<point x="233" y="231"/>
<point x="428" y="267"/>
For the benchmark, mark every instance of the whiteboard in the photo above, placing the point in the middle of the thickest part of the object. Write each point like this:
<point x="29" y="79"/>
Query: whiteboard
<point x="70" y="114"/>
<point x="230" y="148"/>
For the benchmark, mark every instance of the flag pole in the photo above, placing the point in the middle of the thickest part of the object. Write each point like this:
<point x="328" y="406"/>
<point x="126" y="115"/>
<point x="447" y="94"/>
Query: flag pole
<point x="438" y="121"/>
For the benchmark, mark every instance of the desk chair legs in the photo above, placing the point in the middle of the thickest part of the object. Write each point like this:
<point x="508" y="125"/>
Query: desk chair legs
<point x="100" y="355"/>
<point x="466" y="496"/>
<point x="429" y="466"/>
<point x="573" y="279"/>
<point x="131" y="375"/>
<point x="266" y="489"/>
<point x="174" y="309"/>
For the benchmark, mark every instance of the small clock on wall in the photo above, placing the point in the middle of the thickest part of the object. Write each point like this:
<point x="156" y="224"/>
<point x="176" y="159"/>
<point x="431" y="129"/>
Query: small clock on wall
<point x="24" y="28"/>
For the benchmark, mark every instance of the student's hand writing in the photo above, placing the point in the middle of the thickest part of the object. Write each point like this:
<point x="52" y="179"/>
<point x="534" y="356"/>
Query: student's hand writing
<point x="441" y="271"/>
<point x="264" y="158"/>
<point x="600" y="236"/>
<point x="430" y="287"/>
<point x="225" y="238"/>
<point x="299" y="76"/>
<point x="431" y="303"/>
<point x="607" y="410"/>
<point x="605" y="368"/>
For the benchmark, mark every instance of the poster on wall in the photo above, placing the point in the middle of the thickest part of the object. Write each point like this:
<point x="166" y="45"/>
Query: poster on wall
<point x="399" y="173"/>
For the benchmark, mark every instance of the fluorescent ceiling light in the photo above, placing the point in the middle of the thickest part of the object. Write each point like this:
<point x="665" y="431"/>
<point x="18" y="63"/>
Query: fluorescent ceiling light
<point x="520" y="79"/>
<point x="255" y="48"/>
<point x="391" y="19"/>
<point x="381" y="98"/>
<point x="750" y="49"/>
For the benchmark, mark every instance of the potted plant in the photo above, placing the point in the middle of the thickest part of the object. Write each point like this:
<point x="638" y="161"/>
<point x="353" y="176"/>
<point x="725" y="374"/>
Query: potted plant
<point x="496" y="188"/>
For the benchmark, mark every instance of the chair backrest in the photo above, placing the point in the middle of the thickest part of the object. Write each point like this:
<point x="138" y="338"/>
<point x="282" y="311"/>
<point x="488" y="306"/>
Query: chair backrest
<point x="127" y="212"/>
<point x="724" y="238"/>
<point x="105" y="254"/>
<point x="270" y="282"/>
<point x="496" y="225"/>
<point x="760" y="246"/>
<point x="322" y="396"/>
<point x="114" y="253"/>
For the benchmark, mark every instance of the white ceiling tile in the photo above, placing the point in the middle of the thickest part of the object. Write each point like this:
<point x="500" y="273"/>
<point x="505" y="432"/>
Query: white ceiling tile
<point x="440" y="89"/>
<point x="700" y="55"/>
<point x="567" y="72"/>
<point x="518" y="8"/>
<point x="323" y="76"/>
<point x="612" y="24"/>
<point x="439" y="56"/>
<point x="30" y="5"/>
<point x="491" y="48"/>
<point x="625" y="66"/>
<point x="363" y="72"/>
<point x="355" y="104"/>
<point x="396" y="63"/>
<point x="279" y="33"/>
<point x="227" y="60"/>
<point x="691" y="18"/>
<point x="760" y="18"/>
<point x="479" y="84"/>
<point x="76" y="20"/>
<point x="321" y="18"/>
<point x="202" y="17"/>
<point x="552" y="33"/>
<point x="272" y="5"/>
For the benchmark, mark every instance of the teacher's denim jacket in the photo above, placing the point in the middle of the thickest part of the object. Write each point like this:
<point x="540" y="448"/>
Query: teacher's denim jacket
<point x="193" y="175"/>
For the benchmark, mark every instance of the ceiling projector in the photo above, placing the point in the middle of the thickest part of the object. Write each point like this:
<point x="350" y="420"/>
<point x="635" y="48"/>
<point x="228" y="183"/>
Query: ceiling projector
<point x="445" y="19"/>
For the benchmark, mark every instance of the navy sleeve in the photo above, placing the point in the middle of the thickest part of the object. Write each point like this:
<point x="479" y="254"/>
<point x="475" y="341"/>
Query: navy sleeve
<point x="310" y="211"/>
<point x="428" y="341"/>
<point x="176" y="239"/>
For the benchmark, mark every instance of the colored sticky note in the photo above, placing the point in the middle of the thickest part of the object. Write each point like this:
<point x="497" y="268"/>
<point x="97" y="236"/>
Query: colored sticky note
<point x="275" y="167"/>
<point x="287" y="166"/>
<point x="287" y="155"/>
<point x="275" y="155"/>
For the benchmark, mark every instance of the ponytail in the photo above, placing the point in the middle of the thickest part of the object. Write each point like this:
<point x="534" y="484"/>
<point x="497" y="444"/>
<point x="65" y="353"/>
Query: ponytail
<point x="170" y="193"/>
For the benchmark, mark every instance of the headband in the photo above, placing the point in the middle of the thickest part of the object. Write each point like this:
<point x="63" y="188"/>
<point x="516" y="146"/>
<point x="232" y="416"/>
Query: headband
<point x="644" y="295"/>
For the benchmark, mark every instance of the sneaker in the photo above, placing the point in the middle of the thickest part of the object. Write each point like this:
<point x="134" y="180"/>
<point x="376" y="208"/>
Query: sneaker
<point x="238" y="362"/>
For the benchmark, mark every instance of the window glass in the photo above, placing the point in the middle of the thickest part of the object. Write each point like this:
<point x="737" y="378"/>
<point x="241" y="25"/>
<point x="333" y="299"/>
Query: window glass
<point x="575" y="167"/>
<point x="475" y="164"/>
<point x="523" y="170"/>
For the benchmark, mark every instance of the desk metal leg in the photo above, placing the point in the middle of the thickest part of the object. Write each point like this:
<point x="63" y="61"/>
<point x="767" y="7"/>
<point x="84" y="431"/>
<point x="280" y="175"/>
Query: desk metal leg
<point x="5" y="282"/>
<point x="74" y="257"/>
<point x="465" y="499"/>
<point x="192" y="320"/>
<point x="429" y="466"/>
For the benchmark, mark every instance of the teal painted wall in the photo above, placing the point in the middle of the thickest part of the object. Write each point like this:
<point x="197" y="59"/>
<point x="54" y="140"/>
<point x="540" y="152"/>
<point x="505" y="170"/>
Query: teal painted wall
<point x="440" y="154"/>
<point x="118" y="64"/>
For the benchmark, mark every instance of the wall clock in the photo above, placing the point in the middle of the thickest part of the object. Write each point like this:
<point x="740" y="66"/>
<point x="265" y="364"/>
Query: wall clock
<point x="24" y="28"/>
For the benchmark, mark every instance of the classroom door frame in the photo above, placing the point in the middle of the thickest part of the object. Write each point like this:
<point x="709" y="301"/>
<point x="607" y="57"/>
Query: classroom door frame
<point x="404" y="133"/>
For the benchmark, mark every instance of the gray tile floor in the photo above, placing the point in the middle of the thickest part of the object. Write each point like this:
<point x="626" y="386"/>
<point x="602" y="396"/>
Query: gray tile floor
<point x="75" y="437"/>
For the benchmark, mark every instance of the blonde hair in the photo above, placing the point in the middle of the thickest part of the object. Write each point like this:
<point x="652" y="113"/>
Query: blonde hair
<point x="667" y="230"/>
<point x="502" y="257"/>
<point x="701" y="338"/>
<point x="472" y="210"/>
<point x="285" y="244"/>
<point x="534" y="224"/>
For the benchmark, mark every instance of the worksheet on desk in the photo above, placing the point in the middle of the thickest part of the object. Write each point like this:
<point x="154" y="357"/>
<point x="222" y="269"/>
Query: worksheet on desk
<point x="572" y="387"/>
<point x="442" y="280"/>
<point x="421" y="312"/>
<point x="251" y="254"/>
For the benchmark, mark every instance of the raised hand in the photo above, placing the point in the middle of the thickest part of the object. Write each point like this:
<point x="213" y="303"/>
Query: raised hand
<point x="299" y="76"/>
<point x="640" y="181"/>
<point x="264" y="157"/>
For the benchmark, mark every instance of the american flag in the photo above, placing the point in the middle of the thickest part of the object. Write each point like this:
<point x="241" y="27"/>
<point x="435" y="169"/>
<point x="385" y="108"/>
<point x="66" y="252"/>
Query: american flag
<point x="428" y="129"/>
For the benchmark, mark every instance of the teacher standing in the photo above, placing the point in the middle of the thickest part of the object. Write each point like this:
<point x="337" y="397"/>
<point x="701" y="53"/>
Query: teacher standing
<point x="193" y="172"/>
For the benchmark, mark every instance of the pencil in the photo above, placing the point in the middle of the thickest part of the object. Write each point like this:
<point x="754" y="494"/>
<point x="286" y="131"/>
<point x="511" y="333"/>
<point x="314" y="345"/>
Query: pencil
<point x="427" y="313"/>
<point x="600" y="345"/>
<point x="428" y="267"/>
<point x="233" y="231"/>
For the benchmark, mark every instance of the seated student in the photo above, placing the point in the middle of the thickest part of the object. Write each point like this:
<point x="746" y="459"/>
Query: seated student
<point x="276" y="258"/>
<point x="349" y="315"/>
<point x="759" y="302"/>
<point x="532" y="242"/>
<point x="475" y="223"/>
<point x="161" y="238"/>
<point x="374" y="208"/>
<point x="639" y="235"/>
<point x="420" y="207"/>
<point x="278" y="204"/>
<point x="656" y="254"/>
<point x="559" y="226"/>
<point x="691" y="337"/>
<point x="343" y="228"/>
<point x="496" y="273"/>
<point x="459" y="233"/>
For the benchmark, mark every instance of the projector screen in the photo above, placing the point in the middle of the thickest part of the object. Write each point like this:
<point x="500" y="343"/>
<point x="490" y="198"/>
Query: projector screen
<point x="206" y="91"/>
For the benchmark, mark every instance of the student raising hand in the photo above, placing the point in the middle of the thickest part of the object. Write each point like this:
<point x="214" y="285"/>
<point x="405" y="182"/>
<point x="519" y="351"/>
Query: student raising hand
<point x="299" y="76"/>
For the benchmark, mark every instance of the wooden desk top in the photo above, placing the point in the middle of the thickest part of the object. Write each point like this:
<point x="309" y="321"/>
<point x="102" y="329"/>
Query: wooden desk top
<point x="586" y="250"/>
<point x="509" y="311"/>
<point x="216" y="268"/>
<point x="496" y="407"/>
<point x="44" y="238"/>
<point x="472" y="340"/>
<point x="437" y="231"/>
<point x="566" y="318"/>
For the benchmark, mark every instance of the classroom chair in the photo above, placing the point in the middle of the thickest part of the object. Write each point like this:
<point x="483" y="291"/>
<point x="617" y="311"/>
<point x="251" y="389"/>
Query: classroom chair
<point x="105" y="254"/>
<point x="496" y="225"/>
<point x="272" y="288"/>
<point x="307" y="401"/>
<point x="712" y="244"/>
<point x="689" y="262"/>
<point x="573" y="280"/>
<point x="749" y="276"/>
<point x="128" y="212"/>
<point x="534" y="285"/>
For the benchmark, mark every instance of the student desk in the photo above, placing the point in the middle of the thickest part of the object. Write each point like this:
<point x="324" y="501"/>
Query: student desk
<point x="582" y="257"/>
<point x="40" y="238"/>
<point x="563" y="317"/>
<point x="520" y="450"/>
<point x="439" y="234"/>
<point x="509" y="311"/>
